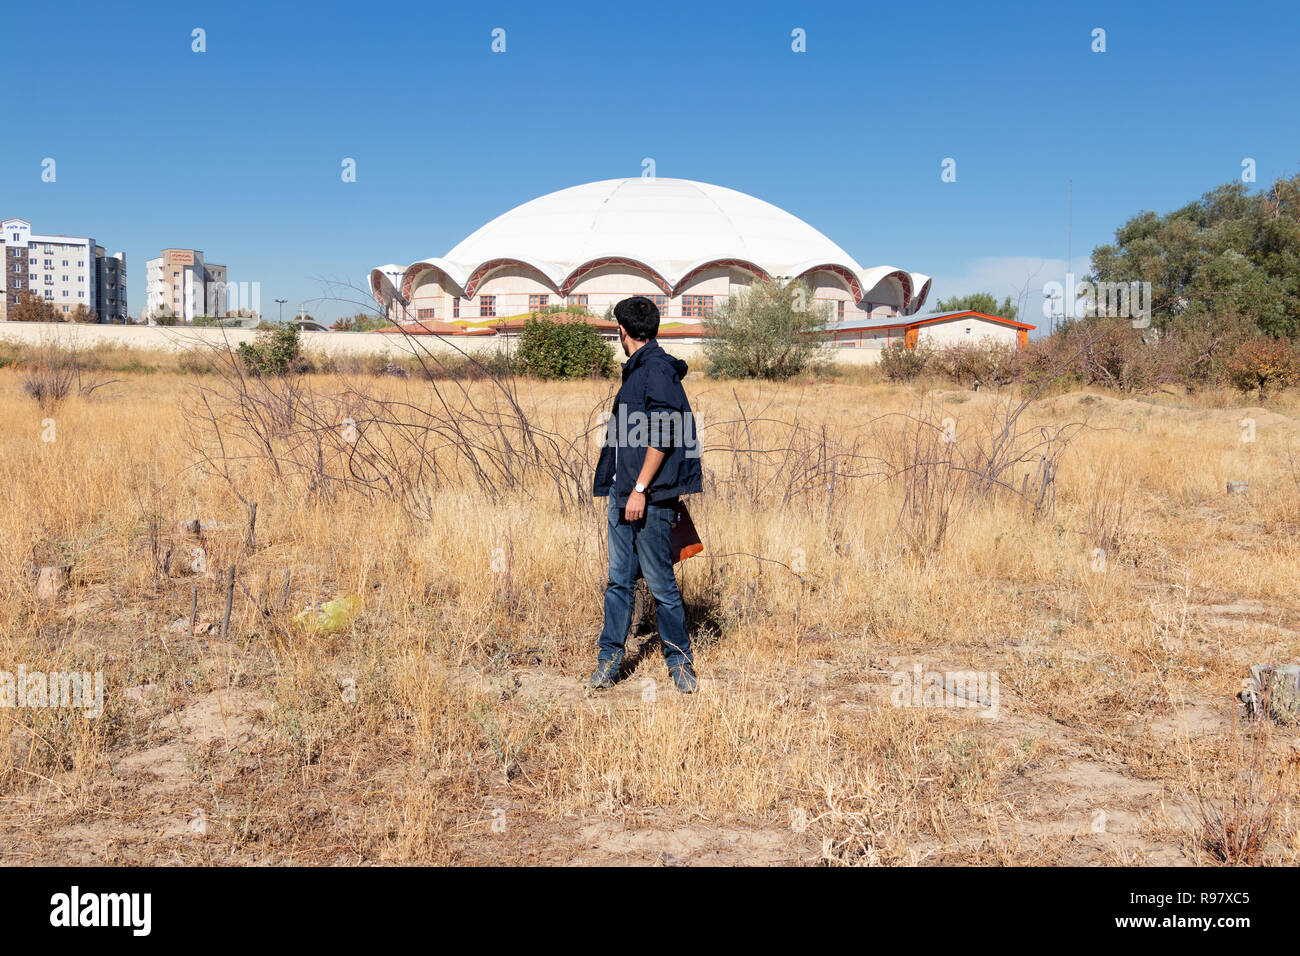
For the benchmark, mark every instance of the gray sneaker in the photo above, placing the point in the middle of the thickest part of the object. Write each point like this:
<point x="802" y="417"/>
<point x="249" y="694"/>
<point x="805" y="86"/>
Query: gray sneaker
<point x="684" y="678"/>
<point x="604" y="675"/>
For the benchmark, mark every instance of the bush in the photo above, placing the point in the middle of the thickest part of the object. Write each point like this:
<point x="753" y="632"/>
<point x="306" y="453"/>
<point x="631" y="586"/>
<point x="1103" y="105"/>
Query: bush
<point x="551" y="349"/>
<point x="771" y="330"/>
<point x="1109" y="352"/>
<point x="901" y="364"/>
<point x="361" y="322"/>
<point x="984" y="363"/>
<point x="1264" y="365"/>
<point x="195" y="363"/>
<point x="275" y="352"/>
<point x="32" y="308"/>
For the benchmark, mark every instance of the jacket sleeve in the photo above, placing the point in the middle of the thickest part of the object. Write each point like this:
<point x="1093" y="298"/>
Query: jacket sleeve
<point x="665" y="404"/>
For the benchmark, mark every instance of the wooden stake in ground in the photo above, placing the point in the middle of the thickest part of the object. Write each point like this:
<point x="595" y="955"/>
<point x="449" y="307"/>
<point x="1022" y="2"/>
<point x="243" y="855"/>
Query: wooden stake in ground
<point x="252" y="527"/>
<point x="230" y="599"/>
<point x="194" y="609"/>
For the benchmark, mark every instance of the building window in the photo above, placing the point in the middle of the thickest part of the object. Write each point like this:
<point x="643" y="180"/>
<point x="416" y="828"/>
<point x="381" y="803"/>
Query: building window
<point x="487" y="306"/>
<point x="538" y="302"/>
<point x="661" y="303"/>
<point x="697" y="306"/>
<point x="580" y="300"/>
<point x="455" y="307"/>
<point x="425" y="313"/>
<point x="65" y="263"/>
<point x="840" y="310"/>
<point x="65" y="308"/>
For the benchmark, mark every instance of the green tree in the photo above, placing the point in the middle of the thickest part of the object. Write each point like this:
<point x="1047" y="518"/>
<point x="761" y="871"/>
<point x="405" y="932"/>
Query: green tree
<point x="551" y="349"/>
<point x="1228" y="253"/>
<point x="978" y="302"/>
<point x="771" y="330"/>
<point x="361" y="322"/>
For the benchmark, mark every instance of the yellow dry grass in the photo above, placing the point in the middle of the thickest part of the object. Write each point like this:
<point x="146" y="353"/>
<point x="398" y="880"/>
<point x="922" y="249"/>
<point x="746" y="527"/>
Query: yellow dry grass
<point x="451" y="722"/>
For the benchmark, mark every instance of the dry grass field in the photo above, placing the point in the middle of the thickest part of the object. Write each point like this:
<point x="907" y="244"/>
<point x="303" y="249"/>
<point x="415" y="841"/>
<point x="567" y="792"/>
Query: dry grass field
<point x="845" y="544"/>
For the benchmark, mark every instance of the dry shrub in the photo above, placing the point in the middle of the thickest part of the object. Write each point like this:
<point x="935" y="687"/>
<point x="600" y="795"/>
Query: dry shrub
<point x="49" y="383"/>
<point x="939" y="469"/>
<point x="972" y="366"/>
<point x="1237" y="809"/>
<point x="1263" y="365"/>
<point x="399" y="440"/>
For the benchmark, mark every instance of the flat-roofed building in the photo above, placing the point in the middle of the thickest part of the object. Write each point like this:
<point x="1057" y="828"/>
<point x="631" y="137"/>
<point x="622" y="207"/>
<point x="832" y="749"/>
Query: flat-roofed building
<point x="179" y="283"/>
<point x="110" y="286"/>
<point x="62" y="270"/>
<point x="934" y="329"/>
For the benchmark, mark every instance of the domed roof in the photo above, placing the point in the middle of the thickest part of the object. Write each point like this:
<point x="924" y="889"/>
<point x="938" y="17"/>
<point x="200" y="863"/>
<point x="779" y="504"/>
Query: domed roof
<point x="671" y="227"/>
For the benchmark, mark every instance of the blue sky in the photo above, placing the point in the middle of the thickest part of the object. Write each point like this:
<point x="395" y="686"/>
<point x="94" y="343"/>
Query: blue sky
<point x="237" y="151"/>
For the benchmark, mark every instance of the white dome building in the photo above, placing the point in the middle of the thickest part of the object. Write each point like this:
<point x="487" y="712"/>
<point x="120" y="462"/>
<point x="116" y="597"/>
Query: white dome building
<point x="684" y="244"/>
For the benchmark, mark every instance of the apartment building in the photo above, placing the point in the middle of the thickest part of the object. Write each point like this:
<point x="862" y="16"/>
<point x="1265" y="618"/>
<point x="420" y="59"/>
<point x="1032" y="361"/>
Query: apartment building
<point x="110" y="286"/>
<point x="180" y="283"/>
<point x="64" y="270"/>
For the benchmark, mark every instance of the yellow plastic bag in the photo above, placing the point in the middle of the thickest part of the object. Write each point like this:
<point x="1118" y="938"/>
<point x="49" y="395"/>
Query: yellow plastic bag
<point x="330" y="617"/>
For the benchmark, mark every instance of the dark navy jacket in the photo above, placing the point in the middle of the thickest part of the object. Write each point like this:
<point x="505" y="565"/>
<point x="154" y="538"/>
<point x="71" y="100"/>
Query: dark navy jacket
<point x="650" y="409"/>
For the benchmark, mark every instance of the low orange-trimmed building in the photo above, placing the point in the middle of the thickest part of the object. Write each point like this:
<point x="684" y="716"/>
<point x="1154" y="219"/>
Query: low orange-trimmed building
<point x="936" y="329"/>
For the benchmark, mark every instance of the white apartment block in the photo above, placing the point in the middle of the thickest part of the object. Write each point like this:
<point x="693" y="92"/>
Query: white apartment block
<point x="64" y="270"/>
<point x="180" y="283"/>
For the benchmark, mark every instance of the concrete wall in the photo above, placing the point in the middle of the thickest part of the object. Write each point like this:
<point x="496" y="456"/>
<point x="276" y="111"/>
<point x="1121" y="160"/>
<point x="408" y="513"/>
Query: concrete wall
<point x="177" y="339"/>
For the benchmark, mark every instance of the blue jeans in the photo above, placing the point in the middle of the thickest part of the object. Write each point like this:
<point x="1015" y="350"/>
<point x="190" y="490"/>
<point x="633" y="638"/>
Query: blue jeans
<point x="643" y="545"/>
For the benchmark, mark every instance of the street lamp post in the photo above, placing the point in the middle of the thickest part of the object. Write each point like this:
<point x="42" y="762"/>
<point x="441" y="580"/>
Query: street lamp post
<point x="281" y="303"/>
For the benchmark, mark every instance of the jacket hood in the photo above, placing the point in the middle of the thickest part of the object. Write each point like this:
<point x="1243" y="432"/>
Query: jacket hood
<point x="655" y="353"/>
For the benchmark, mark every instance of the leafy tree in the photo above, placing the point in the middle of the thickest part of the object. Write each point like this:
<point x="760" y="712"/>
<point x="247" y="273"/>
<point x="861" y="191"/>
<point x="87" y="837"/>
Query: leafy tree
<point x="552" y="349"/>
<point x="1229" y="252"/>
<point x="771" y="330"/>
<point x="274" y="352"/>
<point x="978" y="302"/>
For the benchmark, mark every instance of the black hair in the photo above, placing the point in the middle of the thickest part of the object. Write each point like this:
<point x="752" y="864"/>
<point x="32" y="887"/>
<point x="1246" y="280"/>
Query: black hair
<point x="639" y="317"/>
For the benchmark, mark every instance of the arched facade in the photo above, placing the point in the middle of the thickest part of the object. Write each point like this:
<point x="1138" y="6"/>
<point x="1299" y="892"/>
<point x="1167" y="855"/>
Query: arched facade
<point x="688" y="246"/>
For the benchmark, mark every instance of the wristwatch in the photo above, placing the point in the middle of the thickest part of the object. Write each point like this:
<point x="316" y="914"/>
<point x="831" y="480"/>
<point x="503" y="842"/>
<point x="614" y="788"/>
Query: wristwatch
<point x="639" y="488"/>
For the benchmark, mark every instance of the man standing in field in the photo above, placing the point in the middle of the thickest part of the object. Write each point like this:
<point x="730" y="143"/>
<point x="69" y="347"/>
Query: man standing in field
<point x="650" y="458"/>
